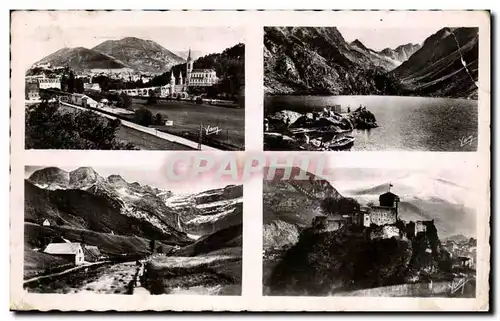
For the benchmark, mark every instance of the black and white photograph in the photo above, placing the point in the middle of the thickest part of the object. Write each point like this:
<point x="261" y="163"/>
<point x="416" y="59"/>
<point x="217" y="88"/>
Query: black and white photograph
<point x="371" y="89"/>
<point x="372" y="233"/>
<point x="134" y="88"/>
<point x="129" y="231"/>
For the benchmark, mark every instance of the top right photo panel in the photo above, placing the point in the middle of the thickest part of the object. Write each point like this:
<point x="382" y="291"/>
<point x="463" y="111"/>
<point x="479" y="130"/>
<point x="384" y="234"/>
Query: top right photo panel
<point x="365" y="89"/>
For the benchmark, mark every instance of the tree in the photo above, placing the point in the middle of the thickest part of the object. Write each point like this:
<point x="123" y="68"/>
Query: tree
<point x="152" y="99"/>
<point x="143" y="117"/>
<point x="126" y="100"/>
<point x="159" y="119"/>
<point x="47" y="128"/>
<point x="159" y="249"/>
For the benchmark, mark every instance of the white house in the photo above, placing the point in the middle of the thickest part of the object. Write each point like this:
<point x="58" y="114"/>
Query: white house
<point x="72" y="251"/>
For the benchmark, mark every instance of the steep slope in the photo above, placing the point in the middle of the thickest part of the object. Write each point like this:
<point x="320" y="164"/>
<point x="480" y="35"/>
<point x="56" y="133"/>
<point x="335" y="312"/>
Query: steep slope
<point x="445" y="66"/>
<point x="228" y="239"/>
<point x="50" y="177"/>
<point x="318" y="60"/>
<point x="401" y="53"/>
<point x="138" y="54"/>
<point x="82" y="58"/>
<point x="290" y="205"/>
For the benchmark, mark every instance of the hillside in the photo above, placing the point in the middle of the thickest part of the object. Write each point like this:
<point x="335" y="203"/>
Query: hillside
<point x="437" y="68"/>
<point x="318" y="60"/>
<point x="140" y="55"/>
<point x="290" y="205"/>
<point x="82" y="59"/>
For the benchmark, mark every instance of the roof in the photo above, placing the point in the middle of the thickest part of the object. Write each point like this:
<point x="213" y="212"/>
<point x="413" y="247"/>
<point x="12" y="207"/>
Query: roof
<point x="62" y="248"/>
<point x="387" y="194"/>
<point x="203" y="70"/>
<point x="92" y="251"/>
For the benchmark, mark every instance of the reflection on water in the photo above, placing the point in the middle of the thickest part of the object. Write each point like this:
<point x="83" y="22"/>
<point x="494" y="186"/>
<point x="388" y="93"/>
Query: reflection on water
<point x="406" y="123"/>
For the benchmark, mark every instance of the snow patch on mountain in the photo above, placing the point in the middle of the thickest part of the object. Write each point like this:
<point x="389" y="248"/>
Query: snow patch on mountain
<point x="220" y="203"/>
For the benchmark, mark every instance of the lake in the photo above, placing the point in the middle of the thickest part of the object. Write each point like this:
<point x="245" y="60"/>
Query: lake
<point x="405" y="123"/>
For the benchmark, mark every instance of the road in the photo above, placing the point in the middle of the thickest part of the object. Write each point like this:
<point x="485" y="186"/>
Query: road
<point x="107" y="279"/>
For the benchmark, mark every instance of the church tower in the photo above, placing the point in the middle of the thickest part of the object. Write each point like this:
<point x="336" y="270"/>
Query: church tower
<point x="172" y="79"/>
<point x="189" y="67"/>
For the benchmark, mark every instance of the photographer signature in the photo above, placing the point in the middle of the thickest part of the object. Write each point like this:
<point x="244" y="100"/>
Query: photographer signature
<point x="209" y="130"/>
<point x="467" y="140"/>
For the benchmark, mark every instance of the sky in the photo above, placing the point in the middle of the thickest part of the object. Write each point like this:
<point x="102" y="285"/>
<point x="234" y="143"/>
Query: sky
<point x="378" y="39"/>
<point x="151" y="176"/>
<point x="48" y="39"/>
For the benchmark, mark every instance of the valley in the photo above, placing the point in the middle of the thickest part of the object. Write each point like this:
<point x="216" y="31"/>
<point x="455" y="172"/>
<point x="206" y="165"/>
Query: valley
<point x="118" y="224"/>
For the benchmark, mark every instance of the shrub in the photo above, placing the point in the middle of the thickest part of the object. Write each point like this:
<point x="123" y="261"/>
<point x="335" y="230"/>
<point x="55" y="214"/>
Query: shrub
<point x="143" y="117"/>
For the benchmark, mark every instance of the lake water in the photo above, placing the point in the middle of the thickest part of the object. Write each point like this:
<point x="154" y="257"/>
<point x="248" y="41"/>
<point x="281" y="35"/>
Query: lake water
<point x="405" y="123"/>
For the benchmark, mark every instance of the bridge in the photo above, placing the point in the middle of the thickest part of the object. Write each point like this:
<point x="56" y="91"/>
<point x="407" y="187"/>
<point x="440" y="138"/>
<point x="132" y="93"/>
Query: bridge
<point x="162" y="91"/>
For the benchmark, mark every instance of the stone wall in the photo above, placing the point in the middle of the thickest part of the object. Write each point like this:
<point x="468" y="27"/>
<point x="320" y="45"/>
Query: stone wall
<point x="383" y="215"/>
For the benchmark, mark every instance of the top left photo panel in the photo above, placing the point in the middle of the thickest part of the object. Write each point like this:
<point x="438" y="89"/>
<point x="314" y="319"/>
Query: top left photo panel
<point x="92" y="81"/>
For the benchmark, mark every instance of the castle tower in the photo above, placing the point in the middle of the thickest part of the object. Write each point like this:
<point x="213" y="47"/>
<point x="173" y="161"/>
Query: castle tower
<point x="189" y="67"/>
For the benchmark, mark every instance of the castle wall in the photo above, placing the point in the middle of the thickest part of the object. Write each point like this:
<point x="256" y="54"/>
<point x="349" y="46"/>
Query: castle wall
<point x="383" y="215"/>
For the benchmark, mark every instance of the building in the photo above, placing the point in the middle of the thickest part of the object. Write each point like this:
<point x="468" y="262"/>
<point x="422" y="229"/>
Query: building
<point x="325" y="223"/>
<point x="384" y="214"/>
<point x="46" y="83"/>
<point x="91" y="253"/>
<point x="420" y="227"/>
<point x="46" y="222"/>
<point x="82" y="100"/>
<point x="71" y="251"/>
<point x="92" y="86"/>
<point x="32" y="91"/>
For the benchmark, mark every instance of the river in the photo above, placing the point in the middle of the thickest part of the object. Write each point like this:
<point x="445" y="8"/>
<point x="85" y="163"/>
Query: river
<point x="405" y="123"/>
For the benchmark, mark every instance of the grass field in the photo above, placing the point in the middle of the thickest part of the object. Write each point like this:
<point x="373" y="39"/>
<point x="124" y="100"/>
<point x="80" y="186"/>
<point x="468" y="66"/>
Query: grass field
<point x="188" y="116"/>
<point x="220" y="275"/>
<point x="146" y="141"/>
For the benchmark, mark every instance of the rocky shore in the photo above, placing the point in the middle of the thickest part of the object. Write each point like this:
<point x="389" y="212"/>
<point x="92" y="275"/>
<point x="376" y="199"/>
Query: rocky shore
<point x="325" y="130"/>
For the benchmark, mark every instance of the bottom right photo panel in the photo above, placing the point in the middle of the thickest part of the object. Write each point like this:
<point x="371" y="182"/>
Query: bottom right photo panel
<point x="370" y="232"/>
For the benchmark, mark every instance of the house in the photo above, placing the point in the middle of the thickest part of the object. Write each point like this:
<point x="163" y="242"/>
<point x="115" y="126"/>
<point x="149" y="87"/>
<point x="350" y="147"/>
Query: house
<point x="91" y="253"/>
<point x="46" y="83"/>
<point x="92" y="86"/>
<point x="46" y="222"/>
<point x="32" y="91"/>
<point x="71" y="251"/>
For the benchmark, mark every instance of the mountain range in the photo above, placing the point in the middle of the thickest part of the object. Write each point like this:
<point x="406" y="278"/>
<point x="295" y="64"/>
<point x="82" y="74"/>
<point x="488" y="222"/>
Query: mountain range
<point x="318" y="60"/>
<point x="129" y="53"/>
<point x="116" y="209"/>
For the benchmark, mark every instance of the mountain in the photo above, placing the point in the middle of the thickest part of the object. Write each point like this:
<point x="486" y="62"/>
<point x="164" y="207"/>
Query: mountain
<point x="195" y="215"/>
<point x="210" y="211"/>
<point x="195" y="54"/>
<point x="290" y="205"/>
<point x="318" y="60"/>
<point x="82" y="58"/>
<point x="140" y="55"/>
<point x="401" y="53"/>
<point x="445" y="66"/>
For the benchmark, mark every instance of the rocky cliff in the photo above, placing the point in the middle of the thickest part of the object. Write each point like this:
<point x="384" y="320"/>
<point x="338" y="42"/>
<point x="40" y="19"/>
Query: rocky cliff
<point x="318" y="60"/>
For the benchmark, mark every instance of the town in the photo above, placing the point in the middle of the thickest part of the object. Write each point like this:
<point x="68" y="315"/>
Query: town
<point x="166" y="110"/>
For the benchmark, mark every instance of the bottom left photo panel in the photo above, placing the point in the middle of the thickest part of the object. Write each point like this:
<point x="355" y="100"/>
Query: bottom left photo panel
<point x="129" y="231"/>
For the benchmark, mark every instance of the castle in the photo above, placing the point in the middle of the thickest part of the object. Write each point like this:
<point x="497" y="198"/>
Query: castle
<point x="382" y="218"/>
